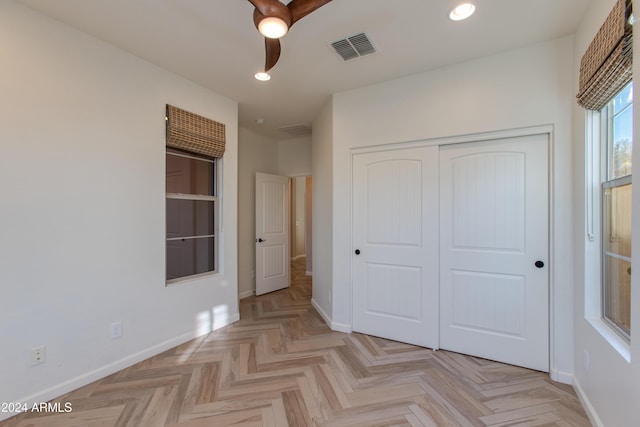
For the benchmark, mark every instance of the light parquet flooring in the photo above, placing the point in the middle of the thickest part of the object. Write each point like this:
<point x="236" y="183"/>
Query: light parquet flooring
<point x="280" y="365"/>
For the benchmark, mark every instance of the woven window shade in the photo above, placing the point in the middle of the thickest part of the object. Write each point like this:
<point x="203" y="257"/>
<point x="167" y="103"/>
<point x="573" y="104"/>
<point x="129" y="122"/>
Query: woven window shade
<point x="606" y="66"/>
<point x="196" y="134"/>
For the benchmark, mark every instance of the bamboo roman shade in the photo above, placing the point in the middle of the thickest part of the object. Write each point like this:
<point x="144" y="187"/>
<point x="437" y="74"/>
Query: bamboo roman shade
<point x="606" y="66"/>
<point x="191" y="132"/>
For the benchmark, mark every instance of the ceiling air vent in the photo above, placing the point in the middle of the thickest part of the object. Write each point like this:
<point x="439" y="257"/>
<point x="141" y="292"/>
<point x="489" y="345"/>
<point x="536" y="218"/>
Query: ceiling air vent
<point x="296" y="130"/>
<point x="353" y="47"/>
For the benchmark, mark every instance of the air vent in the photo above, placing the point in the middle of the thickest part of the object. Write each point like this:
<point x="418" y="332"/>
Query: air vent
<point x="353" y="47"/>
<point x="296" y="130"/>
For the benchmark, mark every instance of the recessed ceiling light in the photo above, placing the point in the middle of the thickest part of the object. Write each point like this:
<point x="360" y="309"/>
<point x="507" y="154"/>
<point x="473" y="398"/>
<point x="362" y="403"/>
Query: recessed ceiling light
<point x="462" y="11"/>
<point x="263" y="77"/>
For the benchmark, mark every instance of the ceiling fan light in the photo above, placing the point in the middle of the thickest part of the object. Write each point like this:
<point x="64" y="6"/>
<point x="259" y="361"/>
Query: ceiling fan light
<point x="262" y="76"/>
<point x="462" y="11"/>
<point x="273" y="27"/>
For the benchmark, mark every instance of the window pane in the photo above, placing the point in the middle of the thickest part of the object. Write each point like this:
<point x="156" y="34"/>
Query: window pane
<point x="617" y="220"/>
<point x="190" y="176"/>
<point x="617" y="293"/>
<point x="189" y="256"/>
<point x="187" y="218"/>
<point x="624" y="98"/>
<point x="622" y="144"/>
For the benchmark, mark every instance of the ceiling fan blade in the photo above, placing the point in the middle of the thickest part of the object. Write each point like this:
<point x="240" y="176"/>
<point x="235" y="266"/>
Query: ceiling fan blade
<point x="264" y="6"/>
<point x="272" y="50"/>
<point x="301" y="8"/>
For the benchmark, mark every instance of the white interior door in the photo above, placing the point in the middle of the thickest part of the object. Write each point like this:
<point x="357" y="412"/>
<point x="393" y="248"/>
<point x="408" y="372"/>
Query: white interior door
<point x="494" y="228"/>
<point x="395" y="245"/>
<point x="272" y="233"/>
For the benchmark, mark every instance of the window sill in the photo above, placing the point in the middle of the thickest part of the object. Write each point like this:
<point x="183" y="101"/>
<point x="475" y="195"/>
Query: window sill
<point x="616" y="341"/>
<point x="186" y="279"/>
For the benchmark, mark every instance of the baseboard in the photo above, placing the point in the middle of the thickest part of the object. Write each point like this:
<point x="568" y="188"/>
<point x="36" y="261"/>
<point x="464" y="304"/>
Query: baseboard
<point x="104" y="371"/>
<point x="335" y="326"/>
<point x="246" y="294"/>
<point x="561" y="377"/>
<point x="309" y="273"/>
<point x="320" y="311"/>
<point x="341" y="327"/>
<point x="586" y="404"/>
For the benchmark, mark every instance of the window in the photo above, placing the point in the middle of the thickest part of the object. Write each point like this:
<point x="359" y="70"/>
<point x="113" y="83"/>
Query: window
<point x="616" y="147"/>
<point x="192" y="223"/>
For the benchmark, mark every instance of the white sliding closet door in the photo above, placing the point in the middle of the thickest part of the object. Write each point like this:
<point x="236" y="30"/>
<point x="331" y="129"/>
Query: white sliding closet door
<point x="395" y="245"/>
<point x="494" y="280"/>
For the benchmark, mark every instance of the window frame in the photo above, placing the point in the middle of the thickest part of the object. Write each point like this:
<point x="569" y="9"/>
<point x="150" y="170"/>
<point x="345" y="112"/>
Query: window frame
<point x="606" y="181"/>
<point x="215" y="198"/>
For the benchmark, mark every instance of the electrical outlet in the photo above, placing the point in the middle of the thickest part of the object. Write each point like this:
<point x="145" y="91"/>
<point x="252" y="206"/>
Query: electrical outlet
<point x="586" y="360"/>
<point x="116" y="330"/>
<point x="38" y="355"/>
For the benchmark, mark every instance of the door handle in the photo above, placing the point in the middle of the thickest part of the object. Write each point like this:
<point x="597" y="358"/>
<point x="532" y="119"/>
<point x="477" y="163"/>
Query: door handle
<point x="357" y="251"/>
<point x="539" y="264"/>
<point x="261" y="240"/>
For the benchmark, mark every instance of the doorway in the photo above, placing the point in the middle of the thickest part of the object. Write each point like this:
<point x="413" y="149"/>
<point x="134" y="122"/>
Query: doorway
<point x="283" y="229"/>
<point x="301" y="221"/>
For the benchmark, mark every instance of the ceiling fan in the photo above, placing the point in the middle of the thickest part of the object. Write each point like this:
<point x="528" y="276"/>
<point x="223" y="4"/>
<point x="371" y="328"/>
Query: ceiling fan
<point x="273" y="20"/>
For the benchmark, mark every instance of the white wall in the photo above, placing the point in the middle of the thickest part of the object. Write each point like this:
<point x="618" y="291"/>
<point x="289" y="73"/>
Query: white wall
<point x="610" y="387"/>
<point x="294" y="156"/>
<point x="256" y="153"/>
<point x="322" y="212"/>
<point x="521" y="88"/>
<point x="83" y="209"/>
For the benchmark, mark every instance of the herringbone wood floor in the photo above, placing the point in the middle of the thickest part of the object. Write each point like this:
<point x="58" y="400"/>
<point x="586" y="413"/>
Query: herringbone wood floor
<point x="280" y="365"/>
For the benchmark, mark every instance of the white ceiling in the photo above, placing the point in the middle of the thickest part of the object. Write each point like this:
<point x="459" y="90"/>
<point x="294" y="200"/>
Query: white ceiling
<point x="215" y="44"/>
